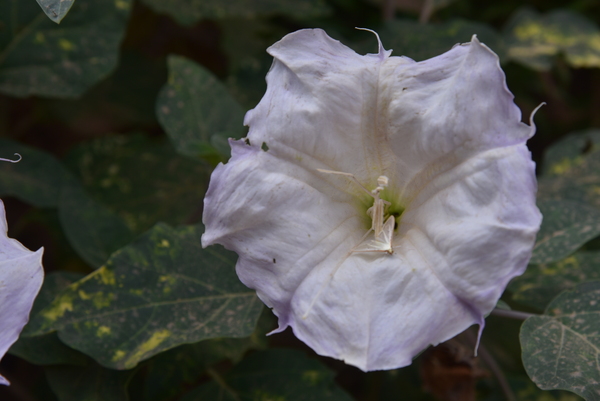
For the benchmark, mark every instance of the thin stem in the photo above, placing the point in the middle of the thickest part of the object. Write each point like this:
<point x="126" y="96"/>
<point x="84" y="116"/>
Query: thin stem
<point x="490" y="362"/>
<point x="221" y="382"/>
<point x="513" y="314"/>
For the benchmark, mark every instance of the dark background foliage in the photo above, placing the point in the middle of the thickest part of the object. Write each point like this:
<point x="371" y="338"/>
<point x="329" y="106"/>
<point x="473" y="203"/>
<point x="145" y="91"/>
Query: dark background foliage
<point x="120" y="113"/>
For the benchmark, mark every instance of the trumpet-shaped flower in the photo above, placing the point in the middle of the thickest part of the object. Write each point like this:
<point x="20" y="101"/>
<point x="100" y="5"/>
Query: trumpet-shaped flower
<point x="378" y="204"/>
<point x="21" y="276"/>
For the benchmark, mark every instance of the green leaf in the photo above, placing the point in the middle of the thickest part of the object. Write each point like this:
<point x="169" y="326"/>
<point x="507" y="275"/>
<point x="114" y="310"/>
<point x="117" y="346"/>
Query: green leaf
<point x="171" y="371"/>
<point x="187" y="12"/>
<point x="570" y="152"/>
<point x="56" y="9"/>
<point x="92" y="383"/>
<point x="541" y="283"/>
<point x="93" y="231"/>
<point x="576" y="180"/>
<point x="48" y="349"/>
<point x="143" y="181"/>
<point x="422" y="41"/>
<point x="37" y="179"/>
<point x="525" y="390"/>
<point x="275" y="374"/>
<point x="197" y="111"/>
<point x="561" y="348"/>
<point x="160" y="291"/>
<point x="534" y="40"/>
<point x="249" y="62"/>
<point x="38" y="57"/>
<point x="566" y="226"/>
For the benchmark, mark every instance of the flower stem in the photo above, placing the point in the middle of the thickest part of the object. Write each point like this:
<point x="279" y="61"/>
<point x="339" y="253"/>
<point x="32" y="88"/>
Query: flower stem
<point x="512" y="314"/>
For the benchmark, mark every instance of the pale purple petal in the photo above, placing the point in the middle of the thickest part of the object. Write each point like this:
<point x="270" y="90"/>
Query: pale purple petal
<point x="448" y="136"/>
<point x="21" y="276"/>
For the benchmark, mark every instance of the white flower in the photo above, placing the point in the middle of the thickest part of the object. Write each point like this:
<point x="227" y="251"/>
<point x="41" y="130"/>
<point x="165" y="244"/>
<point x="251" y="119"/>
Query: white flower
<point x="461" y="189"/>
<point x="21" y="276"/>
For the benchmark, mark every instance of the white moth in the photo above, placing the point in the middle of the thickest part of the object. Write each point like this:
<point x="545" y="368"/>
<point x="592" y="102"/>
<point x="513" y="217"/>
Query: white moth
<point x="383" y="232"/>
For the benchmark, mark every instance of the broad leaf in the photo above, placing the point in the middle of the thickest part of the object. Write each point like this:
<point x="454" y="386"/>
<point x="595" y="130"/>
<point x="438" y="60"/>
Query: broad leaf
<point x="533" y="39"/>
<point x="249" y="63"/>
<point x="143" y="181"/>
<point x="93" y="231"/>
<point x="570" y="152"/>
<point x="541" y="283"/>
<point x="161" y="291"/>
<point x="171" y="371"/>
<point x="566" y="226"/>
<point x="92" y="383"/>
<point x="38" y="57"/>
<point x="37" y="179"/>
<point x="48" y="349"/>
<point x="576" y="179"/>
<point x="275" y="374"/>
<point x="197" y="112"/>
<point x="56" y="9"/>
<point x="187" y="12"/>
<point x="423" y="41"/>
<point x="562" y="347"/>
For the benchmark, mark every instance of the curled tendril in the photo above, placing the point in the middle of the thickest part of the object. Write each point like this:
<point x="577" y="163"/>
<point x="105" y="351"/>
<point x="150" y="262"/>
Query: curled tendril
<point x="12" y="161"/>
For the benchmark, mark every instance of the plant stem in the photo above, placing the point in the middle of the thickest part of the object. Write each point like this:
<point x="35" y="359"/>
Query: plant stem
<point x="512" y="314"/>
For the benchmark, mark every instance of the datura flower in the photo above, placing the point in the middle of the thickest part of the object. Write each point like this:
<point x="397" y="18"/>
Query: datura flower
<point x="21" y="276"/>
<point x="378" y="205"/>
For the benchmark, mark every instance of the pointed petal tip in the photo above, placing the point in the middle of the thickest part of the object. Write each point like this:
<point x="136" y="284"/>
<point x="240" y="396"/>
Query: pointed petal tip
<point x="532" y="126"/>
<point x="381" y="52"/>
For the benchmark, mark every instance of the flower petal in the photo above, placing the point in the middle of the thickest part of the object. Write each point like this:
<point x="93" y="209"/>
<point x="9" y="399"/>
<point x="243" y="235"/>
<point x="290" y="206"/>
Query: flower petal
<point x="21" y="276"/>
<point x="449" y="138"/>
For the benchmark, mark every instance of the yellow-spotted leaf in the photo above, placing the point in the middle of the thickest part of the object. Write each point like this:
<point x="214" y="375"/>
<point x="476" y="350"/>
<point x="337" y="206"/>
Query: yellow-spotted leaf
<point x="160" y="291"/>
<point x="561" y="348"/>
<point x="566" y="226"/>
<point x="541" y="283"/>
<point x="39" y="57"/>
<point x="534" y="39"/>
<point x="570" y="152"/>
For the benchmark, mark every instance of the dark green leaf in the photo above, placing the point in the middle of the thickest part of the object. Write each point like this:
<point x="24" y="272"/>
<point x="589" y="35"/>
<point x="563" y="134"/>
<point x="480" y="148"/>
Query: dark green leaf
<point x="422" y="41"/>
<point x="187" y="12"/>
<point x="566" y="226"/>
<point x="197" y="112"/>
<point x="579" y="181"/>
<point x="249" y="61"/>
<point x="92" y="383"/>
<point x="570" y="152"/>
<point x="48" y="349"/>
<point x="533" y="39"/>
<point x="525" y="390"/>
<point x="161" y="291"/>
<point x="561" y="349"/>
<point x="541" y="283"/>
<point x="143" y="181"/>
<point x="37" y="179"/>
<point x="38" y="57"/>
<point x="176" y="369"/>
<point x="275" y="374"/>
<point x="56" y="9"/>
<point x="92" y="230"/>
